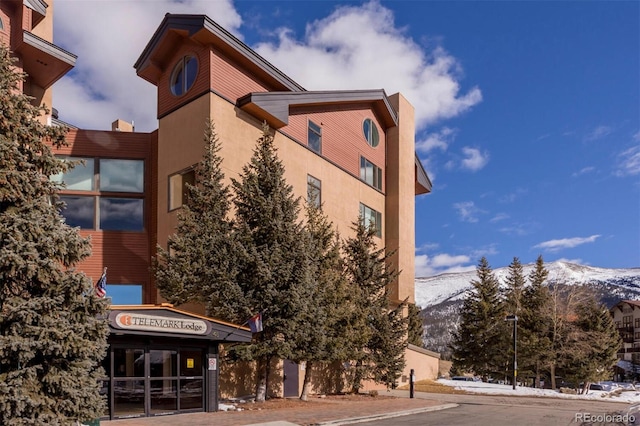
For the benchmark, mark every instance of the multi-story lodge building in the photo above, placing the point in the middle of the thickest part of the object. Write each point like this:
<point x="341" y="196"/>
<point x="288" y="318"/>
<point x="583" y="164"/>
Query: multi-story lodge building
<point x="351" y="150"/>
<point x="626" y="316"/>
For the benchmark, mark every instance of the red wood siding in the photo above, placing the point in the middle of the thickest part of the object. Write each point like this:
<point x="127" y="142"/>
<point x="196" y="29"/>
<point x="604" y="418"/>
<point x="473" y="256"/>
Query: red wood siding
<point x="167" y="101"/>
<point x="5" y="33"/>
<point x="230" y="79"/>
<point x="126" y="254"/>
<point x="342" y="139"/>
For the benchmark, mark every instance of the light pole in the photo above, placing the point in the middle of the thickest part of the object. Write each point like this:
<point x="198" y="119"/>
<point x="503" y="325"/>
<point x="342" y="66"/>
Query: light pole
<point x="514" y="318"/>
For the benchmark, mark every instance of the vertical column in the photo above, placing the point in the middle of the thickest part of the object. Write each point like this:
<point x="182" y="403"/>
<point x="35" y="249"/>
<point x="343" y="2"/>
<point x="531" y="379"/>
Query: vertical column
<point x="212" y="375"/>
<point x="400" y="199"/>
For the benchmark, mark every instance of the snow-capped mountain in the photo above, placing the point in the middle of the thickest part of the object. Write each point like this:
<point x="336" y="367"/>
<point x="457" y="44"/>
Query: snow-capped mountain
<point x="440" y="297"/>
<point x="451" y="287"/>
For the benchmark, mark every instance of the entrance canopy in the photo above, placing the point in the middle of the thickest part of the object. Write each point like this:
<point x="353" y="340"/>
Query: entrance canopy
<point x="166" y="321"/>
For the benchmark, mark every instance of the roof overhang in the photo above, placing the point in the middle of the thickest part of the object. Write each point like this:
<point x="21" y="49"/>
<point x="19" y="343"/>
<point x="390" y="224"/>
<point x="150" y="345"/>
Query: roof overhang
<point x="39" y="8"/>
<point x="423" y="183"/>
<point x="275" y="107"/>
<point x="45" y="62"/>
<point x="165" y="321"/>
<point x="201" y="29"/>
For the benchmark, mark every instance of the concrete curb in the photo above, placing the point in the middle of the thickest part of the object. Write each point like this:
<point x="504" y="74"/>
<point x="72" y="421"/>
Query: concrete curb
<point x="362" y="419"/>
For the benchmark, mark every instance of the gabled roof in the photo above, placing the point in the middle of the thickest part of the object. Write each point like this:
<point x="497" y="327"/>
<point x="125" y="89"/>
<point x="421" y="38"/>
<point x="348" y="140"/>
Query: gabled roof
<point x="274" y="107"/>
<point x="632" y="303"/>
<point x="203" y="30"/>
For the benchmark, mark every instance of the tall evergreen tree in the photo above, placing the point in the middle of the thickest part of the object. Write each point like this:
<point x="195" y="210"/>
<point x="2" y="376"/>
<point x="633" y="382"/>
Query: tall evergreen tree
<point x="274" y="267"/>
<point x="199" y="264"/>
<point x="52" y="327"/>
<point x="415" y="326"/>
<point x="379" y="351"/>
<point x="594" y="342"/>
<point x="321" y="339"/>
<point x="535" y="323"/>
<point x="514" y="288"/>
<point x="478" y="345"/>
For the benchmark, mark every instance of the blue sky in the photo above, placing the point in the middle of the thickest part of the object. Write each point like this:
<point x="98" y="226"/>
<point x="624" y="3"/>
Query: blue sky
<point x="528" y="113"/>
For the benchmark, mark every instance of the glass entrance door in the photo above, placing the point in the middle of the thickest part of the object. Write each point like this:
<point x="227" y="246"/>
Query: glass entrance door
<point x="154" y="381"/>
<point x="128" y="382"/>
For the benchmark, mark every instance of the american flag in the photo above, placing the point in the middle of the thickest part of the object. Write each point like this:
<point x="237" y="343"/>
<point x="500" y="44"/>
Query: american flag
<point x="101" y="285"/>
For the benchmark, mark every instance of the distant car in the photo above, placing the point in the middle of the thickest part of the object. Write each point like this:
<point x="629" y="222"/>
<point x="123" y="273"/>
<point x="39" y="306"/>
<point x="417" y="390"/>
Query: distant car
<point x="463" y="378"/>
<point x="596" y="386"/>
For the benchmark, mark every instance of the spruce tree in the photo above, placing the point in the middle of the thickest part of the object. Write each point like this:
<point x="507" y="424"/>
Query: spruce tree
<point x="53" y="328"/>
<point x="514" y="288"/>
<point x="415" y="326"/>
<point x="274" y="267"/>
<point x="199" y="264"/>
<point x="535" y="323"/>
<point x="322" y="336"/>
<point x="593" y="344"/>
<point x="478" y="345"/>
<point x="379" y="349"/>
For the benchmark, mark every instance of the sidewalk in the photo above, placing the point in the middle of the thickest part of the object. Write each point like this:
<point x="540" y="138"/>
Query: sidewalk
<point x="315" y="412"/>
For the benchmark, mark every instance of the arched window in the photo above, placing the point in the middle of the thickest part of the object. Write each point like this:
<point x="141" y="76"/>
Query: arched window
<point x="184" y="75"/>
<point x="1" y="24"/>
<point x="370" y="132"/>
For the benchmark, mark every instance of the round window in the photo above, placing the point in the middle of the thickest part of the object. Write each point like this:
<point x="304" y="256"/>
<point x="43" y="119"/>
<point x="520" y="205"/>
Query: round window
<point x="184" y="75"/>
<point x="370" y="132"/>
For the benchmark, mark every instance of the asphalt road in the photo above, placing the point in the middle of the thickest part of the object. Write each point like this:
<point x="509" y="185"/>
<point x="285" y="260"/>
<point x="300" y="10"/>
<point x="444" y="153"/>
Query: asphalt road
<point x="506" y="411"/>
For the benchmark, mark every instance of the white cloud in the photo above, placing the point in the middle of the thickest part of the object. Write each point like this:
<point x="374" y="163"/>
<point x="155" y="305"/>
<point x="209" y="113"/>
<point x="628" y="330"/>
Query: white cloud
<point x="499" y="217"/>
<point x="628" y="162"/>
<point x="474" y="159"/>
<point x="583" y="171"/>
<point x="636" y="136"/>
<point x="467" y="211"/>
<point x="598" y="133"/>
<point x="360" y="47"/>
<point x="564" y="243"/>
<point x="512" y="196"/>
<point x="438" y="140"/>
<point x="108" y="37"/>
<point x="427" y="266"/>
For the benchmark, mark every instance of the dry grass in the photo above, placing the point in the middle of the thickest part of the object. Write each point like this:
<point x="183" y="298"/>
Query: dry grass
<point x="280" y="403"/>
<point x="431" y="386"/>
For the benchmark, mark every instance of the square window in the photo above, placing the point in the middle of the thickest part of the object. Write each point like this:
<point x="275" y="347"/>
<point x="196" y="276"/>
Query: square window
<point x="371" y="218"/>
<point x="78" y="211"/>
<point x="125" y="294"/>
<point x="370" y="173"/>
<point x="315" y="137"/>
<point x="79" y="178"/>
<point x="121" y="214"/>
<point x="122" y="175"/>
<point x="178" y="190"/>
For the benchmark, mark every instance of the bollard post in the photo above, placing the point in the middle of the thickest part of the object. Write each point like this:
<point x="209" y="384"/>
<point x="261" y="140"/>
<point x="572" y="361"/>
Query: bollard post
<point x="411" y="380"/>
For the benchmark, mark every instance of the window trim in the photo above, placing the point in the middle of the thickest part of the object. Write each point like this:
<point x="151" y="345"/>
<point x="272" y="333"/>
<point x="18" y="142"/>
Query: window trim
<point x="373" y="135"/>
<point x="318" y="187"/>
<point x="170" y="205"/>
<point x="376" y="214"/>
<point x="96" y="194"/>
<point x="181" y="65"/>
<point x="376" y="179"/>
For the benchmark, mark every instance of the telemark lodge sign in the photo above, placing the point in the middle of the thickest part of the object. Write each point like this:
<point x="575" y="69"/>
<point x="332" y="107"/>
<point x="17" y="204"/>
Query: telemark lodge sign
<point x="136" y="321"/>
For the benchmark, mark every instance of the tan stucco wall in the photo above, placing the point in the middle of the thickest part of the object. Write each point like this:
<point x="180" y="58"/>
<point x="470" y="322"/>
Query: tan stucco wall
<point x="400" y="211"/>
<point x="180" y="145"/>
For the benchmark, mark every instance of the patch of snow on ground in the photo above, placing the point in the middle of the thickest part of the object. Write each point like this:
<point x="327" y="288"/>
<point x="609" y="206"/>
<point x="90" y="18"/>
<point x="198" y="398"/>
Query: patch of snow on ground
<point x="615" y="394"/>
